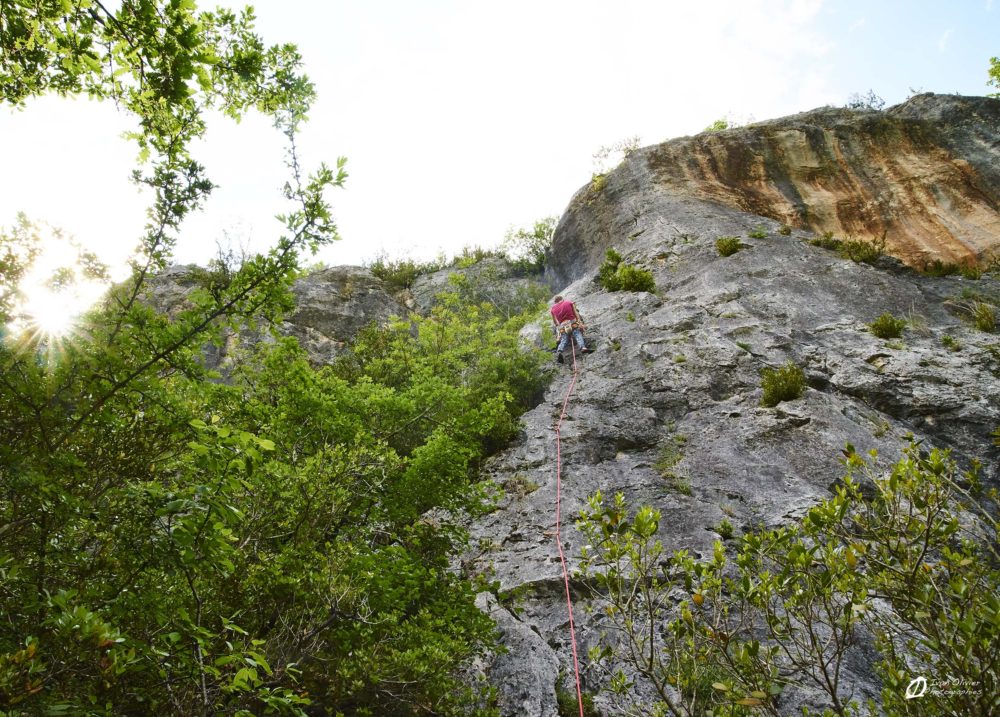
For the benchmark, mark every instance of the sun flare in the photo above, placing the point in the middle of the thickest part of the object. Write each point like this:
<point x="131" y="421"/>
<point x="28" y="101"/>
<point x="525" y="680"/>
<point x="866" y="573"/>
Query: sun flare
<point x="60" y="283"/>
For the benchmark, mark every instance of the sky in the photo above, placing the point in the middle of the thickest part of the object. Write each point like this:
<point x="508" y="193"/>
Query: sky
<point x="461" y="119"/>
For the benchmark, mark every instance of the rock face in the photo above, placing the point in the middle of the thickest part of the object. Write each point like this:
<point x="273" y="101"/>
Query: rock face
<point x="331" y="306"/>
<point x="925" y="174"/>
<point x="679" y="371"/>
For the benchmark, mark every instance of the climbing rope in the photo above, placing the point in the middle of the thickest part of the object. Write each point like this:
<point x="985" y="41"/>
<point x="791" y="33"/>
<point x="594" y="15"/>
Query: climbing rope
<point x="562" y="556"/>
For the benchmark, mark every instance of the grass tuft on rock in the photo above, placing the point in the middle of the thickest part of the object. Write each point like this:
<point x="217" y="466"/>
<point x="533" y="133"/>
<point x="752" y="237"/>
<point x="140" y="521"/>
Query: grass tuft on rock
<point x="887" y="326"/>
<point x="781" y="384"/>
<point x="727" y="246"/>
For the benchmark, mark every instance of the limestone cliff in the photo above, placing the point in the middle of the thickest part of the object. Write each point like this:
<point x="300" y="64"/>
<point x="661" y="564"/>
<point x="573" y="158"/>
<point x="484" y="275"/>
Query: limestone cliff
<point x="925" y="174"/>
<point x="679" y="370"/>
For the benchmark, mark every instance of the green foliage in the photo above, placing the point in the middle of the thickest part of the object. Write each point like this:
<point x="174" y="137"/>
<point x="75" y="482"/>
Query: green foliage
<point x="526" y="248"/>
<point x="174" y="544"/>
<point x="827" y="241"/>
<point x="400" y="274"/>
<point x="857" y="250"/>
<point x="623" y="148"/>
<point x="630" y="317"/>
<point x="520" y="485"/>
<point x="670" y="455"/>
<point x="887" y="326"/>
<point x="615" y="275"/>
<point x="745" y="346"/>
<point x="994" y="75"/>
<point x="977" y="310"/>
<point x="725" y="529"/>
<point x="951" y="343"/>
<point x="785" y="607"/>
<point x="205" y="530"/>
<point x="781" y="384"/>
<point x="727" y="246"/>
<point x="939" y="268"/>
<point x="567" y="705"/>
<point x="860" y="251"/>
<point x="758" y="233"/>
<point x="718" y="125"/>
<point x="491" y="285"/>
<point x="868" y="101"/>
<point x="597" y="182"/>
<point x="784" y="230"/>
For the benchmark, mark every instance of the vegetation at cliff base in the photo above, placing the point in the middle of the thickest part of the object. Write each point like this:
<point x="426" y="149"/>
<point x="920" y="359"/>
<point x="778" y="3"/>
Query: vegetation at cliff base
<point x="274" y="542"/>
<point x="900" y="562"/>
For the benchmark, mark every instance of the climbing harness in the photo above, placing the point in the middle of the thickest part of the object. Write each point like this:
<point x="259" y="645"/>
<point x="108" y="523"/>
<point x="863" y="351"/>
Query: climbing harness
<point x="567" y="327"/>
<point x="562" y="556"/>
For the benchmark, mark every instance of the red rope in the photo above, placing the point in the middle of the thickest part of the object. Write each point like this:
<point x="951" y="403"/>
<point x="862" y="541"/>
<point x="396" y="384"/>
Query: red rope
<point x="562" y="556"/>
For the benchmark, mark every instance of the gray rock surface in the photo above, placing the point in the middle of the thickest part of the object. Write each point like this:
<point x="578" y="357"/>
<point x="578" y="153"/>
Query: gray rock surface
<point x="331" y="306"/>
<point x="681" y="368"/>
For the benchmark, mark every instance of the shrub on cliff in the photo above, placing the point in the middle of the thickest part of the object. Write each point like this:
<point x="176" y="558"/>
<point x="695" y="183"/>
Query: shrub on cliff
<point x="887" y="326"/>
<point x="615" y="275"/>
<point x="727" y="246"/>
<point x="781" y="384"/>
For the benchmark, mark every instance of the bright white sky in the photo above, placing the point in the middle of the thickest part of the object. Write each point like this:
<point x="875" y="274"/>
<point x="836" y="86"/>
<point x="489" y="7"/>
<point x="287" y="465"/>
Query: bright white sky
<point x="460" y="119"/>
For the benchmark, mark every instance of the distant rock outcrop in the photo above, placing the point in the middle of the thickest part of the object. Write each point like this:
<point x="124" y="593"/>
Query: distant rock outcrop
<point x="331" y="306"/>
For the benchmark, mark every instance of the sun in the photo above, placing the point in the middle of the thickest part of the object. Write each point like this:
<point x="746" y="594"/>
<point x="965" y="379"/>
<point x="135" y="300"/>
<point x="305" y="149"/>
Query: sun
<point x="60" y="283"/>
<point x="50" y="314"/>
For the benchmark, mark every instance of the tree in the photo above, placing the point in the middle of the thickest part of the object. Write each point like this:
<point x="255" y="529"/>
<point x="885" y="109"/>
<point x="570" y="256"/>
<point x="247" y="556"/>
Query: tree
<point x="907" y="562"/>
<point x="173" y="543"/>
<point x="994" y="74"/>
<point x="526" y="248"/>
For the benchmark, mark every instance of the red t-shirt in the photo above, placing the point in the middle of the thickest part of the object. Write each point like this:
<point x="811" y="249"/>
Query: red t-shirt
<point x="563" y="311"/>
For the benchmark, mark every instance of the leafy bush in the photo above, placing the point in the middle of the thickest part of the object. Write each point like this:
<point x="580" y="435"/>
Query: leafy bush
<point x="567" y="705"/>
<point x="984" y="316"/>
<point x="781" y="384"/>
<point x="266" y="538"/>
<point x="718" y="125"/>
<point x="727" y="246"/>
<point x="784" y="230"/>
<point x="725" y="529"/>
<point x="939" y="268"/>
<point x="951" y="343"/>
<point x="887" y="326"/>
<point x="868" y="101"/>
<point x="597" y="182"/>
<point x="791" y="604"/>
<point x="614" y="275"/>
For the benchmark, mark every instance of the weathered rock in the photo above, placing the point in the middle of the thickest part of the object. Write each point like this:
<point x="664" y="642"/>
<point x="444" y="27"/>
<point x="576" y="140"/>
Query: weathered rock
<point x="679" y="371"/>
<point x="331" y="306"/>
<point x="925" y="174"/>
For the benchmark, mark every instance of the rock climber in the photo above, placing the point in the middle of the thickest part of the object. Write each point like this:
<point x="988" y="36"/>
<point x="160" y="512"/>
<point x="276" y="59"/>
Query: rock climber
<point x="568" y="322"/>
